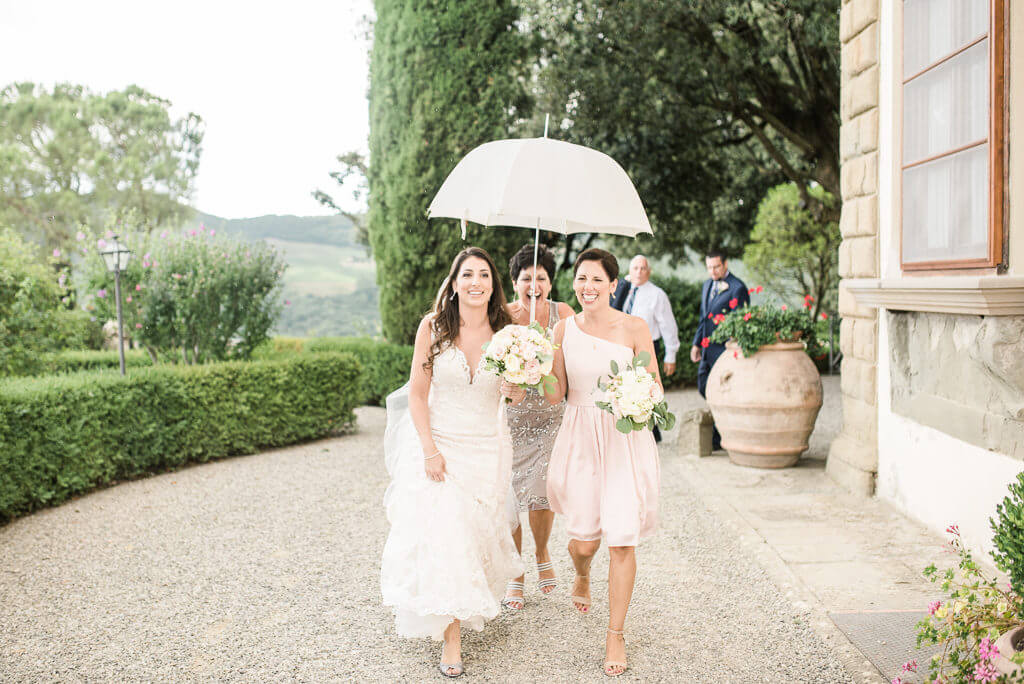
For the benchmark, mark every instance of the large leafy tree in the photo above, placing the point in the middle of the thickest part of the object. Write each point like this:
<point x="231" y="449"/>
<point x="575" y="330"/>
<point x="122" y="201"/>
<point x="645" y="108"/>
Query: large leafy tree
<point x="706" y="103"/>
<point x="69" y="156"/>
<point x="444" y="78"/>
<point x="793" y="252"/>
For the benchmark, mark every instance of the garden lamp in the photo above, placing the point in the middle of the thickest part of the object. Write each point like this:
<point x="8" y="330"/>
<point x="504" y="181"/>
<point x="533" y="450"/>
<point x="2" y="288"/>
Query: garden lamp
<point x="115" y="256"/>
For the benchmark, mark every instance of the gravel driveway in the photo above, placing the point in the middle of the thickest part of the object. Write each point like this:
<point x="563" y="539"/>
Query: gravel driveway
<point x="266" y="568"/>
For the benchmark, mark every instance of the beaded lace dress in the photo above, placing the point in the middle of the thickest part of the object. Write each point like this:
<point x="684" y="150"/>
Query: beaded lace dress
<point x="449" y="552"/>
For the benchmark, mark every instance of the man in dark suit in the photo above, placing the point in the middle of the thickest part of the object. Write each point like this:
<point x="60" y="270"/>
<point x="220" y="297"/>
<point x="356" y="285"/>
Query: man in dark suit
<point x="722" y="293"/>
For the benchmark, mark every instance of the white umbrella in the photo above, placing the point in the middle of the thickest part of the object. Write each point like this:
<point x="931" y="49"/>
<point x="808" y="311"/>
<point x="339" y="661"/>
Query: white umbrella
<point x="541" y="183"/>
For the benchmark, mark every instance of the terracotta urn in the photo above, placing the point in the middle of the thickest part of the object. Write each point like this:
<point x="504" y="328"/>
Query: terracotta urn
<point x="1010" y="643"/>
<point x="765" y="406"/>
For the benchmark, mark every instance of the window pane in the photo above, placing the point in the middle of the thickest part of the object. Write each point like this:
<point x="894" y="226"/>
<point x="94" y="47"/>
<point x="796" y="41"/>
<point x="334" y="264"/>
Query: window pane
<point x="945" y="208"/>
<point x="946" y="107"/>
<point x="933" y="29"/>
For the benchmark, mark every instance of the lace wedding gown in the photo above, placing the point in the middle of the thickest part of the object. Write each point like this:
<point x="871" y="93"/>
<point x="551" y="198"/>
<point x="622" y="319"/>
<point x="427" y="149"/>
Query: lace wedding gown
<point x="449" y="552"/>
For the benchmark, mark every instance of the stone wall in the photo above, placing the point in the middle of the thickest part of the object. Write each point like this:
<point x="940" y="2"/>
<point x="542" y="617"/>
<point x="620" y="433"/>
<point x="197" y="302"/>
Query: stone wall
<point x="962" y="375"/>
<point x="853" y="458"/>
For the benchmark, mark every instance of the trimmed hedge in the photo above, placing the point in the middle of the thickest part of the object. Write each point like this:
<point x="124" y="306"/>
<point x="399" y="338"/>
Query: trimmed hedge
<point x="385" y="365"/>
<point x="63" y="435"/>
<point x="76" y="361"/>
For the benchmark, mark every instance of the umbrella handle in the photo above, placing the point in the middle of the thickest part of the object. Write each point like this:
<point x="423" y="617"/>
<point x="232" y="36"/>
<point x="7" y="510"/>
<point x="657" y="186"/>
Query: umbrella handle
<point x="536" y="245"/>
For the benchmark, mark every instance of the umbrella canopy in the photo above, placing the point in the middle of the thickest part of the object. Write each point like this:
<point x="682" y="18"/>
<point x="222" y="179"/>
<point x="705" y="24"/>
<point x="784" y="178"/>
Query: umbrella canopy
<point x="543" y="184"/>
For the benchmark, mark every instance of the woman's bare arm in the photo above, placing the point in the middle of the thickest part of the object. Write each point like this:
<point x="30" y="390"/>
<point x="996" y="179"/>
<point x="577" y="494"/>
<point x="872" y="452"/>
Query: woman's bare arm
<point x="419" y="387"/>
<point x="558" y="369"/>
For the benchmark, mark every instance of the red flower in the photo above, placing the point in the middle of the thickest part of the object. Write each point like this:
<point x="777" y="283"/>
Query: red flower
<point x="709" y="316"/>
<point x="784" y="307"/>
<point x="747" y="316"/>
<point x="733" y="303"/>
<point x="807" y="305"/>
<point x="705" y="342"/>
<point x="758" y="290"/>
<point x="808" y="298"/>
<point x="735" y="355"/>
<point x="719" y="318"/>
<point x="824" y="316"/>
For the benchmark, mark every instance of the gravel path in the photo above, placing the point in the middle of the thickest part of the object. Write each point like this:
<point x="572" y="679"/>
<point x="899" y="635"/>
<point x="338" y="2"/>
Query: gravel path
<point x="266" y="568"/>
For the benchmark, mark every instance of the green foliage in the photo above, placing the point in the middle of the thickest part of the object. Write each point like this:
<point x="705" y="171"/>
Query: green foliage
<point x="29" y="297"/>
<point x="70" y="156"/>
<point x="64" y="435"/>
<point x="976" y="613"/>
<point x="338" y="315"/>
<point x="444" y="78"/>
<point x="794" y="252"/>
<point x="752" y="327"/>
<point x="684" y="296"/>
<point x="1009" y="535"/>
<point x="75" y="361"/>
<point x="336" y="231"/>
<point x="385" y="366"/>
<point x="706" y="104"/>
<point x="76" y="329"/>
<point x="202" y="296"/>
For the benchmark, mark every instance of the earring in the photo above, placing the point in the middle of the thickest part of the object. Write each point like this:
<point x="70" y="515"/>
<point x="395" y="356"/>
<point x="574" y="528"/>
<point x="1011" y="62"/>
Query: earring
<point x="453" y="295"/>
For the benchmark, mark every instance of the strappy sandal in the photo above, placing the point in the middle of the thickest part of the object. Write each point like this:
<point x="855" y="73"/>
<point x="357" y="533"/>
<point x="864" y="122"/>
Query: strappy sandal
<point x="615" y="663"/>
<point x="542" y="582"/>
<point x="582" y="600"/>
<point x="508" y="601"/>
<point x="445" y="667"/>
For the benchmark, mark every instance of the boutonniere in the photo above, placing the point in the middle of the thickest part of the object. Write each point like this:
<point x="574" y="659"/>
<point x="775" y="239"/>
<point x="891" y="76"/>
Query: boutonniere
<point x="721" y="286"/>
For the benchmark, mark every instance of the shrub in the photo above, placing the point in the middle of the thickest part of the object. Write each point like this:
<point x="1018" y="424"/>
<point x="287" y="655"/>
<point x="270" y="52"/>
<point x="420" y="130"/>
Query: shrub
<point x="64" y="435"/>
<point x="201" y="296"/>
<point x="684" y="296"/>
<point x="28" y="306"/>
<point x="91" y="360"/>
<point x="793" y="251"/>
<point x="967" y="624"/>
<point x="1009" y="535"/>
<point x="752" y="327"/>
<point x="385" y="366"/>
<point x="77" y="330"/>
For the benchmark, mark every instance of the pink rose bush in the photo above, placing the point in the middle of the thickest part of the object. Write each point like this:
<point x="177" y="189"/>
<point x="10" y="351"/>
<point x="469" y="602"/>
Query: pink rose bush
<point x="634" y="397"/>
<point x="522" y="355"/>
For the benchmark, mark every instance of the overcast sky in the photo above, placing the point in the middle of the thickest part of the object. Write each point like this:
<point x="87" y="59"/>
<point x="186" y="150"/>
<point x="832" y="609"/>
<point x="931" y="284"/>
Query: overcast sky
<point x="281" y="86"/>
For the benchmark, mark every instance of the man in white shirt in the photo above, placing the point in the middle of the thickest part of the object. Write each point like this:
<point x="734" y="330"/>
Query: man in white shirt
<point x="640" y="297"/>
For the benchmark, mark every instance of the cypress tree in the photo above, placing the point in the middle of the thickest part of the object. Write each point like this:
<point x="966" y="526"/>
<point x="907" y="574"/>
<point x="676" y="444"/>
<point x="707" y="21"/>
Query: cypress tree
<point x="445" y="76"/>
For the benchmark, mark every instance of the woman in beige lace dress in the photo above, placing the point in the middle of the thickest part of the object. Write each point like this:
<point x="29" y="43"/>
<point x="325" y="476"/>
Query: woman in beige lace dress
<point x="534" y="423"/>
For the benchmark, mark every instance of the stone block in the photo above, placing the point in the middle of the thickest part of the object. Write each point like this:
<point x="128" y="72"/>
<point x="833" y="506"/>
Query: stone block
<point x="858" y="378"/>
<point x="863" y="256"/>
<point x="861" y="52"/>
<point x="861" y="417"/>
<point x="865" y="340"/>
<point x="859" y="217"/>
<point x="859" y="176"/>
<point x="855" y="16"/>
<point x="695" y="433"/>
<point x="848" y="305"/>
<point x="845" y="271"/>
<point x="850" y="478"/>
<point x="860" y="94"/>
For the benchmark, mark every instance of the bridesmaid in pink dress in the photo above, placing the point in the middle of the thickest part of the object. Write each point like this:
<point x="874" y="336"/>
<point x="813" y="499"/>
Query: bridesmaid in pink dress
<point x="605" y="483"/>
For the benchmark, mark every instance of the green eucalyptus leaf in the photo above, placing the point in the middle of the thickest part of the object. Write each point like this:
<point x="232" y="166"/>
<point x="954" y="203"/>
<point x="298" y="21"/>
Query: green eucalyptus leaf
<point x="615" y="368"/>
<point x="642" y="360"/>
<point x="624" y="425"/>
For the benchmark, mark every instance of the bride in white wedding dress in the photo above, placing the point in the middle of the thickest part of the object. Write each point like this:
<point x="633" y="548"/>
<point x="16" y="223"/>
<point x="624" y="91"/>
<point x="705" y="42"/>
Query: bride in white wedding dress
<point x="449" y="552"/>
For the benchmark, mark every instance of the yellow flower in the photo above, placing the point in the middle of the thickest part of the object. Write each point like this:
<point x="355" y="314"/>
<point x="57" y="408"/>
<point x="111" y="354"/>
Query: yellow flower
<point x="940" y="612"/>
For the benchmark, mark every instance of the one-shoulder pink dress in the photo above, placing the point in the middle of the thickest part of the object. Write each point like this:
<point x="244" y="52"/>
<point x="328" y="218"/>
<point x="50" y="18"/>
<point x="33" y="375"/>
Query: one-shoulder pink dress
<point x="604" y="482"/>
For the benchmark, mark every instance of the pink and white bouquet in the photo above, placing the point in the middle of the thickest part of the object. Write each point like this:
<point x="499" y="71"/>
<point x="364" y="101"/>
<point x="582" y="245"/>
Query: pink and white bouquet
<point x="521" y="354"/>
<point x="635" y="398"/>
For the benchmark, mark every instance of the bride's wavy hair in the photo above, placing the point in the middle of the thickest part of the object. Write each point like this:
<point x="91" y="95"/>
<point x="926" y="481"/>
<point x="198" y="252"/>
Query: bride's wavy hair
<point x="447" y="319"/>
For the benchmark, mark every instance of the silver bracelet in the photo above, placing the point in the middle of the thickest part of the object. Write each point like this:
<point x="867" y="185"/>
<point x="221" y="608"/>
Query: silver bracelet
<point x="436" y="453"/>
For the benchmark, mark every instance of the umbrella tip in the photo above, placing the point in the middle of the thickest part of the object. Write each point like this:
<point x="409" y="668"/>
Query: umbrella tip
<point x="547" y="118"/>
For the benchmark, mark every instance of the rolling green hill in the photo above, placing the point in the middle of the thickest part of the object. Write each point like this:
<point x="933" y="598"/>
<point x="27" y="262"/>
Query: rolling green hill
<point x="330" y="284"/>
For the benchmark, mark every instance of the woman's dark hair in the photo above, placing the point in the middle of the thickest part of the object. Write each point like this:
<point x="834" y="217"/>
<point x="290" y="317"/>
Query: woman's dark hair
<point x="524" y="259"/>
<point x="447" y="319"/>
<point x="608" y="262"/>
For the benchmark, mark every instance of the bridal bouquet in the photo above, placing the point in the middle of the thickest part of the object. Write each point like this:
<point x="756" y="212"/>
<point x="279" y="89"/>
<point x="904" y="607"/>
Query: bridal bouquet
<point x="635" y="398"/>
<point x="522" y="355"/>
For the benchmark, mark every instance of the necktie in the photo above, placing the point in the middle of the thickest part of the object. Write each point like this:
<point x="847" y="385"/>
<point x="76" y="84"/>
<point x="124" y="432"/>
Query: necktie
<point x="629" y="302"/>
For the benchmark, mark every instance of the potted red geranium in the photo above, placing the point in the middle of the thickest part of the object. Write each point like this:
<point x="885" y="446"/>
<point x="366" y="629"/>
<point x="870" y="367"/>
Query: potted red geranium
<point x="765" y="391"/>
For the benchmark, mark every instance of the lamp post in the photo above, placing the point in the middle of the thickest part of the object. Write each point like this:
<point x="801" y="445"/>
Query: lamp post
<point x="116" y="256"/>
